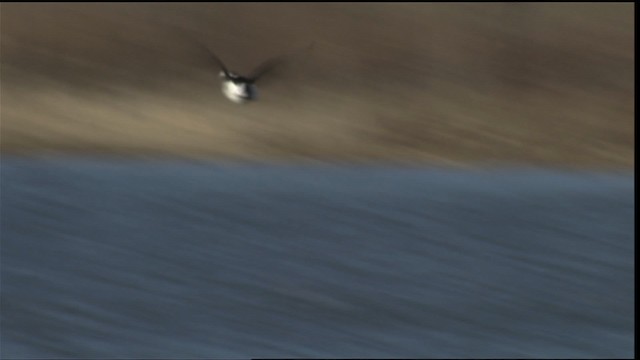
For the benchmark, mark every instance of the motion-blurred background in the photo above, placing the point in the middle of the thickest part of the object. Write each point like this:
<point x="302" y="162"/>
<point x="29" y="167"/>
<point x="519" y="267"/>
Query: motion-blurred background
<point x="439" y="83"/>
<point x="340" y="249"/>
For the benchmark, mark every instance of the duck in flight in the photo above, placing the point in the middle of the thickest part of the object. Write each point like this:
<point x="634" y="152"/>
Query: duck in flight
<point x="241" y="89"/>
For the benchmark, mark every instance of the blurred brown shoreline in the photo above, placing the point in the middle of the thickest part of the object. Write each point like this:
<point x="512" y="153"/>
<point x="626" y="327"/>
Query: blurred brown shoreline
<point x="445" y="84"/>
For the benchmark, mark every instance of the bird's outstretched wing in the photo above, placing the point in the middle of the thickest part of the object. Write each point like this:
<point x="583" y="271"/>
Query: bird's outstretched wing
<point x="270" y="65"/>
<point x="216" y="60"/>
<point x="200" y="50"/>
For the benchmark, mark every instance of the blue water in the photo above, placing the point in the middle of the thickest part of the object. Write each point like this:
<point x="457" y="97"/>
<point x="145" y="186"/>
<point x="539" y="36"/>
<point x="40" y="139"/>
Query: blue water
<point x="126" y="259"/>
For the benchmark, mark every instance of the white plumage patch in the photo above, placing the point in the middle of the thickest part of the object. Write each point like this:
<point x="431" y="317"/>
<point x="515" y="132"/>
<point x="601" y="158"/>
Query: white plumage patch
<point x="237" y="92"/>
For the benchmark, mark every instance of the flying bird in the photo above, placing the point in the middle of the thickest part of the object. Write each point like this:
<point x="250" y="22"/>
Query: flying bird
<point x="242" y="89"/>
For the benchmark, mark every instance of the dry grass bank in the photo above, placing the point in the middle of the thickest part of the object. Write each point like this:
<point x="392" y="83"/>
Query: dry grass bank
<point x="543" y="84"/>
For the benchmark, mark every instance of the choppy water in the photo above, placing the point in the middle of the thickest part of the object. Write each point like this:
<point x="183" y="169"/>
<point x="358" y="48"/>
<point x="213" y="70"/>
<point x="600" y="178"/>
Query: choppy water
<point x="187" y="260"/>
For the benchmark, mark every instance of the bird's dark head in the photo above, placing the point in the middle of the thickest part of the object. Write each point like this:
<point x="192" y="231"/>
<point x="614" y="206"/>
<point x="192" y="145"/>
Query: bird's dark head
<point x="235" y="78"/>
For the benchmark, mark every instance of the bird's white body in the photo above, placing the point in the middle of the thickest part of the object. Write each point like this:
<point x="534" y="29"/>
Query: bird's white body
<point x="237" y="90"/>
<point x="238" y="93"/>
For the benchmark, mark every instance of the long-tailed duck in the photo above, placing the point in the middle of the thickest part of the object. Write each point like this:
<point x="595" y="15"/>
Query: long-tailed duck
<point x="241" y="89"/>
